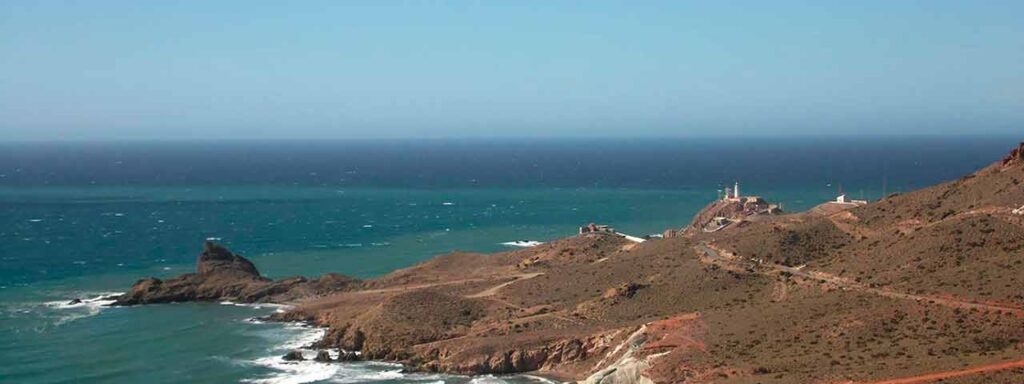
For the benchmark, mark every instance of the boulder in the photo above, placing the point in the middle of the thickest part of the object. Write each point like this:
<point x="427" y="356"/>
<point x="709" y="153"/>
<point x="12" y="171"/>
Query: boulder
<point x="294" y="355"/>
<point x="347" y="356"/>
<point x="75" y="301"/>
<point x="323" y="356"/>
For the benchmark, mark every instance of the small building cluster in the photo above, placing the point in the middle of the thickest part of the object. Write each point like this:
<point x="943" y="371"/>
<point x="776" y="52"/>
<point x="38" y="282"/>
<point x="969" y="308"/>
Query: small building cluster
<point x="751" y="205"/>
<point x="594" y="228"/>
<point x="843" y="199"/>
<point x="732" y="208"/>
<point x="717" y="223"/>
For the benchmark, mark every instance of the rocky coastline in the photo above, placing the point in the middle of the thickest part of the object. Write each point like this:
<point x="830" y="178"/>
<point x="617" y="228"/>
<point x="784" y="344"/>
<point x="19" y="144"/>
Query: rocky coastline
<point x="809" y="297"/>
<point x="222" y="275"/>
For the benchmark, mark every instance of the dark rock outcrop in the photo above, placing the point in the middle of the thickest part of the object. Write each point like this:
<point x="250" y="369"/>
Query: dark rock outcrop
<point x="216" y="259"/>
<point x="223" y="275"/>
<point x="294" y="355"/>
<point x="323" y="356"/>
<point x="348" y="356"/>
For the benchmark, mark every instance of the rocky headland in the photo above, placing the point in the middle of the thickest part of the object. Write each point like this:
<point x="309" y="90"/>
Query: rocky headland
<point x="914" y="288"/>
<point x="223" y="275"/>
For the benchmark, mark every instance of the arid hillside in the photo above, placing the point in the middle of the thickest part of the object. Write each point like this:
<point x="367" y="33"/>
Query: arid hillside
<point x="915" y="288"/>
<point x="924" y="283"/>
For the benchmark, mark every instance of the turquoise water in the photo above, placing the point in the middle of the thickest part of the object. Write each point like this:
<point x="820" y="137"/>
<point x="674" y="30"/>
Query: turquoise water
<point x="108" y="237"/>
<point x="79" y="222"/>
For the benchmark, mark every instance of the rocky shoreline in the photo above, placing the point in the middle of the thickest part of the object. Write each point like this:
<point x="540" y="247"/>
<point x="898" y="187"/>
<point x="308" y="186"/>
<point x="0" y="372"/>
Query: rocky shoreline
<point x="908" y="285"/>
<point x="222" y="275"/>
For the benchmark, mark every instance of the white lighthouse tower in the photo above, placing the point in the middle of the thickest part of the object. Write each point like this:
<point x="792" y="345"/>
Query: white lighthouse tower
<point x="736" y="191"/>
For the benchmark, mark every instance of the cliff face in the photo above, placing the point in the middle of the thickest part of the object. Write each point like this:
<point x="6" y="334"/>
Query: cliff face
<point x="918" y="284"/>
<point x="223" y="275"/>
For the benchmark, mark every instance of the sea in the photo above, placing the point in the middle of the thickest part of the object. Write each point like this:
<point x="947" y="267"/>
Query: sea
<point x="87" y="219"/>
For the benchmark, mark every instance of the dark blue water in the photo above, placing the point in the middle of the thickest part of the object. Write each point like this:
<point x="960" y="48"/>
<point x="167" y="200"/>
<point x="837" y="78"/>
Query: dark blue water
<point x="431" y="164"/>
<point x="78" y="219"/>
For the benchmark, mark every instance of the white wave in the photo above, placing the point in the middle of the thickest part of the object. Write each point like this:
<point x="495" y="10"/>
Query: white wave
<point x="540" y="379"/>
<point x="82" y="308"/>
<point x="522" y="243"/>
<point x="278" y="307"/>
<point x="299" y="337"/>
<point x="100" y="300"/>
<point x="361" y="373"/>
<point x="297" y="372"/>
<point x="306" y="338"/>
<point x="487" y="379"/>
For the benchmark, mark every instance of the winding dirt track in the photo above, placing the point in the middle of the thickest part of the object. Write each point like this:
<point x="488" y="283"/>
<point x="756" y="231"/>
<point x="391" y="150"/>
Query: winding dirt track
<point x="927" y="378"/>
<point x="494" y="290"/>
<point x="715" y="255"/>
<point x="489" y="292"/>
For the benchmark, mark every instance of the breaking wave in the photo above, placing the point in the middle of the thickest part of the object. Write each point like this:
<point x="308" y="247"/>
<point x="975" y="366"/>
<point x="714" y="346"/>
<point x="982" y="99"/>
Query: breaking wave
<point x="301" y="337"/>
<point x="75" y="309"/>
<point x="522" y="243"/>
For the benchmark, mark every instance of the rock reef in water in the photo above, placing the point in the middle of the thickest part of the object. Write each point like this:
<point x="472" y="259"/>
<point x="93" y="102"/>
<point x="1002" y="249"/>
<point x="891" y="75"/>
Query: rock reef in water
<point x="323" y="356"/>
<point x="224" y="276"/>
<point x="294" y="355"/>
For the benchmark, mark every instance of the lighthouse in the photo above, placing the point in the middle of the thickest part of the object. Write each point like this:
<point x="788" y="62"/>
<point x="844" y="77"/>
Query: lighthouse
<point x="736" y="191"/>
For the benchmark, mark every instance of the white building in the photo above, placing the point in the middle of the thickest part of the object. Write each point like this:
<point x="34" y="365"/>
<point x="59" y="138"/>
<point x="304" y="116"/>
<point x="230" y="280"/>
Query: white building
<point x="843" y="199"/>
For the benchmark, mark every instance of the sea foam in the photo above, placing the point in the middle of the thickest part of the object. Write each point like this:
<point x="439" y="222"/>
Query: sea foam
<point x="307" y="371"/>
<point x="87" y="307"/>
<point x="522" y="243"/>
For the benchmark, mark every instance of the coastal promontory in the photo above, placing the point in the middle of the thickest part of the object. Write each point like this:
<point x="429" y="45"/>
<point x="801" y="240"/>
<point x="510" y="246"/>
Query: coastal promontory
<point x="913" y="288"/>
<point x="223" y="275"/>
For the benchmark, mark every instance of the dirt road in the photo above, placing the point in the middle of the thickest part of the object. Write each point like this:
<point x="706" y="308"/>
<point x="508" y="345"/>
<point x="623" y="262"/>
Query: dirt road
<point x="931" y="377"/>
<point x="769" y="268"/>
<point x="494" y="290"/>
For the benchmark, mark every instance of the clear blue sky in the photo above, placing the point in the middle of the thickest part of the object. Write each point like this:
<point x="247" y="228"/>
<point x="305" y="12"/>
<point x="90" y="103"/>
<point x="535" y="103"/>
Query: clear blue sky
<point x="340" y="69"/>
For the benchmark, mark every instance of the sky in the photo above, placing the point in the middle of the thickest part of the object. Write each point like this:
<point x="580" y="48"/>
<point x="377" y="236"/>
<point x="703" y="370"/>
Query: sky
<point x="125" y="70"/>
